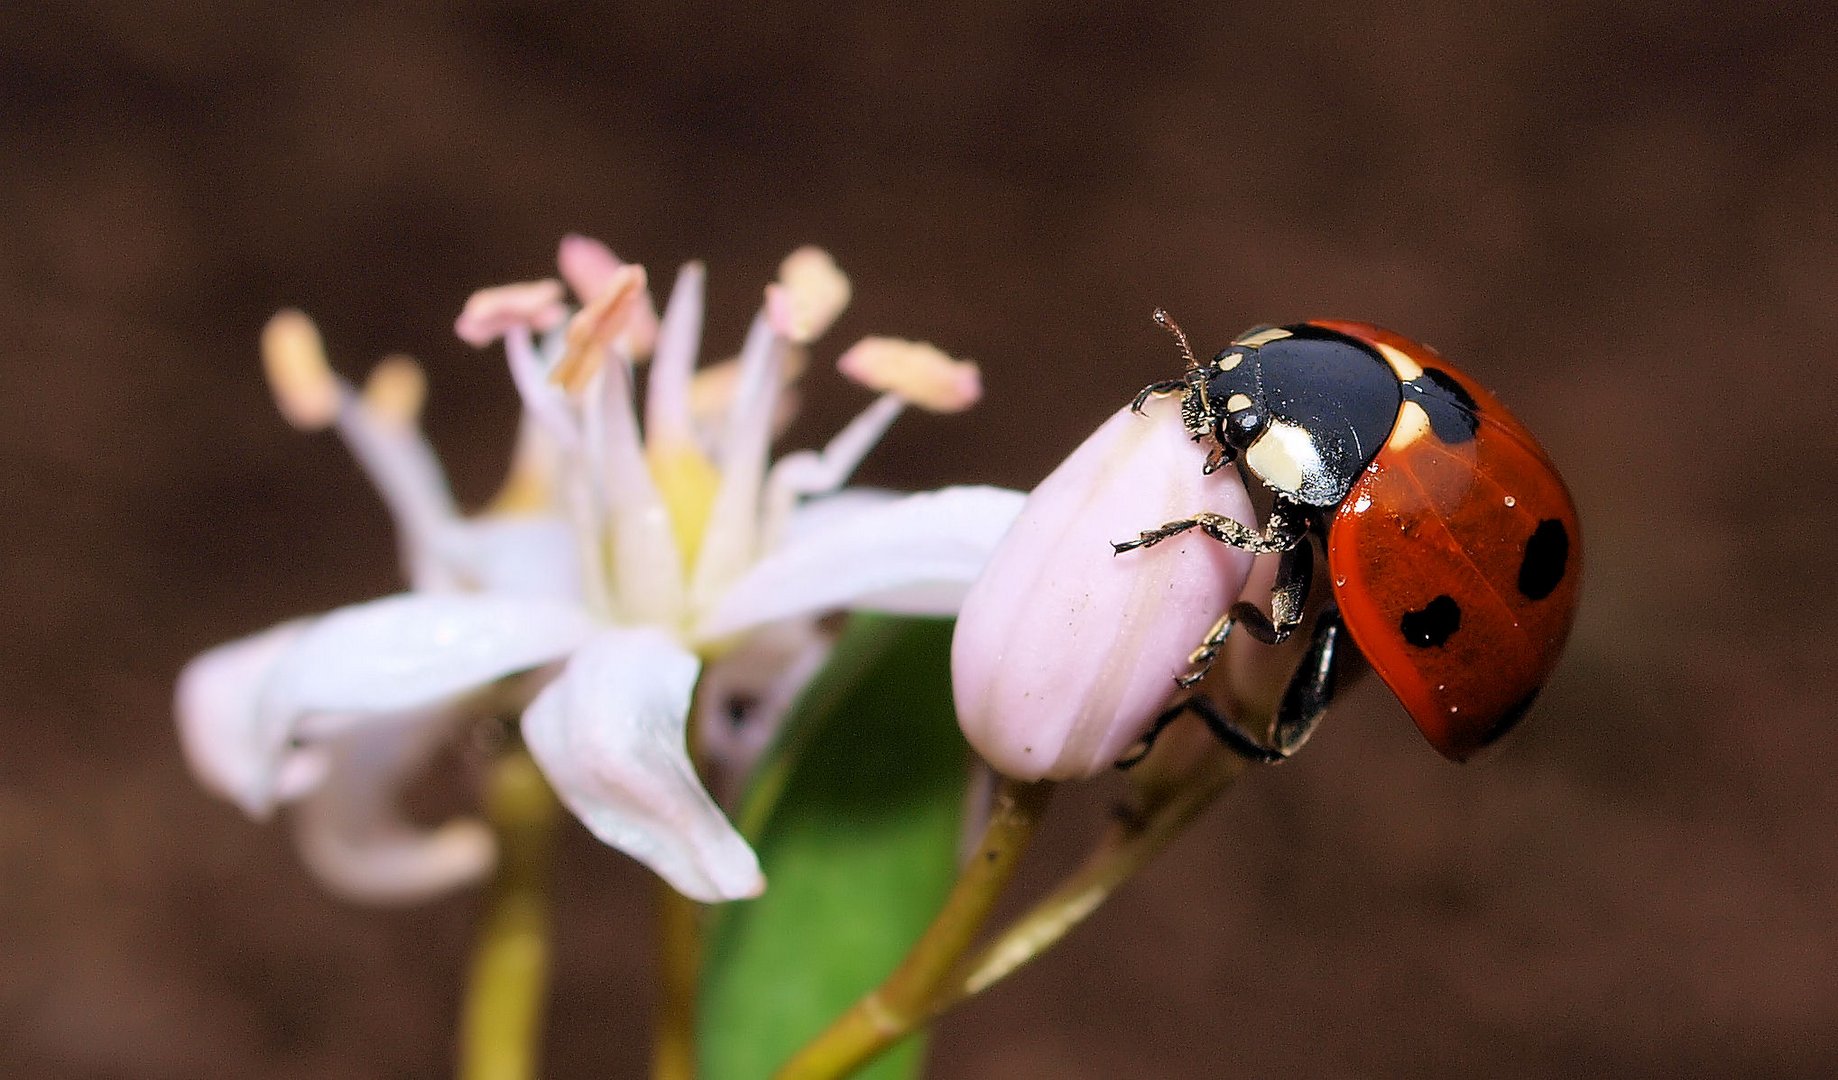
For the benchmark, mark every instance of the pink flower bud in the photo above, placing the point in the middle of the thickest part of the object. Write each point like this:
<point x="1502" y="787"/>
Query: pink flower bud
<point x="1064" y="652"/>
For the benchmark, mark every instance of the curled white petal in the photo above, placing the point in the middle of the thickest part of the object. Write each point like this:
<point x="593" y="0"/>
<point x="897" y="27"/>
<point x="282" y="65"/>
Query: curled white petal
<point x="916" y="555"/>
<point x="216" y="705"/>
<point x="610" y="736"/>
<point x="352" y="835"/>
<point x="744" y="697"/>
<point x="399" y="653"/>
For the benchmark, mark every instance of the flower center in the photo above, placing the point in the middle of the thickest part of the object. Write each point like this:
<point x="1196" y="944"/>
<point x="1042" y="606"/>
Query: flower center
<point x="687" y="482"/>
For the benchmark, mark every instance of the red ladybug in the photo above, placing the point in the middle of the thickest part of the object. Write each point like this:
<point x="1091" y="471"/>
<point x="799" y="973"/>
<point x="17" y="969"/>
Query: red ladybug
<point x="1450" y="539"/>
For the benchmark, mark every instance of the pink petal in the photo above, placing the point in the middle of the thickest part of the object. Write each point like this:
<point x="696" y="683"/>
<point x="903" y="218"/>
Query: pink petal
<point x="1064" y="652"/>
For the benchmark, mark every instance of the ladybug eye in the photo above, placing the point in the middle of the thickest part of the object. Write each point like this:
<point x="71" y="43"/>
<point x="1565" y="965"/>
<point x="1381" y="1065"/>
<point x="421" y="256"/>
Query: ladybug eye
<point x="1240" y="428"/>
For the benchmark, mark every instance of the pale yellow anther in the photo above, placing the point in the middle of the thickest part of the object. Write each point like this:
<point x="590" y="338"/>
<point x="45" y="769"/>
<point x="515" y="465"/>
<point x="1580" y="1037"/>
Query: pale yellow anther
<point x="293" y="357"/>
<point x="810" y="293"/>
<point x="396" y="390"/>
<point x="914" y="371"/>
<point x="597" y="325"/>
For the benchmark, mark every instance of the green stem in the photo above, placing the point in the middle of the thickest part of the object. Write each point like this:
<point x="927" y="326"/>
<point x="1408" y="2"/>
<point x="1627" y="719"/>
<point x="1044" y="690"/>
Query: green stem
<point x="892" y="1010"/>
<point x="501" y="1023"/>
<point x="1124" y="850"/>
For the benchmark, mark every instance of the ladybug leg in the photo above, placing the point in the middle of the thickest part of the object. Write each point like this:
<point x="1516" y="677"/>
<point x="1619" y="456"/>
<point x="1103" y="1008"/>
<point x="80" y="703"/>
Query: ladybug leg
<point x="1288" y="597"/>
<point x="1200" y="661"/>
<point x="1304" y="703"/>
<point x="1285" y="529"/>
<point x="1166" y="386"/>
<point x="1224" y="728"/>
<point x="1311" y="688"/>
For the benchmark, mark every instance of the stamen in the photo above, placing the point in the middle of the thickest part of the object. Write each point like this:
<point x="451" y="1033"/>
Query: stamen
<point x="541" y="399"/>
<point x="591" y="268"/>
<point x="396" y="390"/>
<point x="712" y="391"/>
<point x="810" y="293"/>
<point x="918" y="372"/>
<point x="492" y="313"/>
<point x="293" y="357"/>
<point x="595" y="327"/>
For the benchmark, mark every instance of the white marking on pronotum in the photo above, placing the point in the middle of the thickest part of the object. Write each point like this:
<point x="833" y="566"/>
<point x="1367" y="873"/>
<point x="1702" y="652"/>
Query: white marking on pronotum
<point x="1406" y="368"/>
<point x="1285" y="457"/>
<point x="1231" y="361"/>
<point x="1262" y="337"/>
<point x="1236" y="402"/>
<point x="1413" y="423"/>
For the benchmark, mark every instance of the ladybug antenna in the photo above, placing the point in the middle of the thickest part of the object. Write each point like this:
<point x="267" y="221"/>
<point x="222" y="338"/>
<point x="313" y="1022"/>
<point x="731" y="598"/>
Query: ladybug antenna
<point x="1166" y="322"/>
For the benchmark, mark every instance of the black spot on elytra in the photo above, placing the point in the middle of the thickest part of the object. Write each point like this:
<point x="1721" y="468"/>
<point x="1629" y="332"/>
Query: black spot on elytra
<point x="1451" y="408"/>
<point x="1547" y="556"/>
<point x="1433" y="624"/>
<point x="1454" y="389"/>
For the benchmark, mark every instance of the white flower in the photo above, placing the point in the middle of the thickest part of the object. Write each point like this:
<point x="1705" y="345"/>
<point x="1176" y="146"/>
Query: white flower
<point x="689" y="556"/>
<point x="341" y="774"/>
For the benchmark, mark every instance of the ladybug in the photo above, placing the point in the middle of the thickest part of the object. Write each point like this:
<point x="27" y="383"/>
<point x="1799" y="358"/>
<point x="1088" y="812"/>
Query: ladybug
<point x="1451" y="542"/>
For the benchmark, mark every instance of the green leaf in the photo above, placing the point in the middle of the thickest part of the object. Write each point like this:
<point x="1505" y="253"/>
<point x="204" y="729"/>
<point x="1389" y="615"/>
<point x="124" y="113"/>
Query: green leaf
<point x="855" y="817"/>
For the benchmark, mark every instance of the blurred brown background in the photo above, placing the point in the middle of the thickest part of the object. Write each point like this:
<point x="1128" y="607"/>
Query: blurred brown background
<point x="1623" y="222"/>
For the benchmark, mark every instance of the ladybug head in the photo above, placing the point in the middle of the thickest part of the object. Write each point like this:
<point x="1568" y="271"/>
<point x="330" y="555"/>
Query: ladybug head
<point x="1230" y="404"/>
<point x="1221" y="399"/>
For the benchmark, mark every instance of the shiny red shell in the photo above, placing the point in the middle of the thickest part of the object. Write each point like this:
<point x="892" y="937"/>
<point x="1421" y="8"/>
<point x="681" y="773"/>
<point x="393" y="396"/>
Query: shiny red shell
<point x="1456" y="565"/>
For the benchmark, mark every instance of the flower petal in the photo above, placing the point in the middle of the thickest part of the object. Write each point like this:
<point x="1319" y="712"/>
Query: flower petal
<point x="399" y="653"/>
<point x="744" y="697"/>
<point x="679" y="341"/>
<point x="609" y="734"/>
<point x="915" y="555"/>
<point x="351" y="833"/>
<point x="216" y="705"/>
<point x="733" y="537"/>
<point x="532" y="556"/>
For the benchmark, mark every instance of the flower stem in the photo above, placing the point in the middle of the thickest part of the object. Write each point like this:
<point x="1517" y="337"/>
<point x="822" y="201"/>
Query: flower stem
<point x="501" y="1023"/>
<point x="892" y="1010"/>
<point x="1124" y="850"/>
<point x="679" y="936"/>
